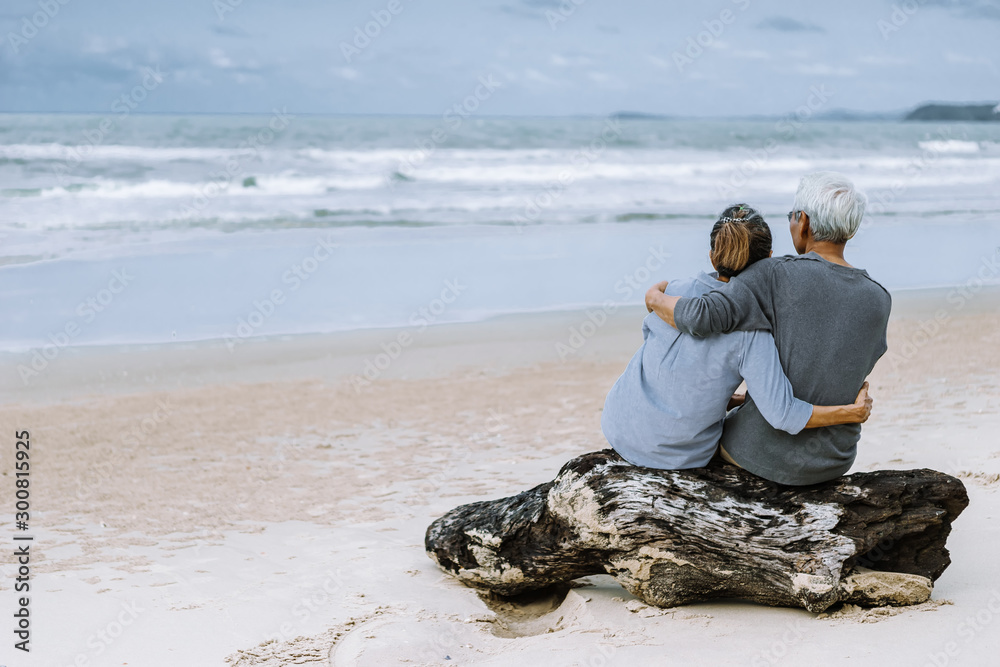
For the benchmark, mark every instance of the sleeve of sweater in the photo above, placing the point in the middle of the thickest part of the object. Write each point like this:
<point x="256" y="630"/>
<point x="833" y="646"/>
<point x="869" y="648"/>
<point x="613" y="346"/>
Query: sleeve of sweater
<point x="741" y="304"/>
<point x="769" y="386"/>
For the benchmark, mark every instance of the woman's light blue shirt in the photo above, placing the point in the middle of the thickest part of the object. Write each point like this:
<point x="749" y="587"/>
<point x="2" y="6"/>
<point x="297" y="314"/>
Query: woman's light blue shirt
<point x="666" y="410"/>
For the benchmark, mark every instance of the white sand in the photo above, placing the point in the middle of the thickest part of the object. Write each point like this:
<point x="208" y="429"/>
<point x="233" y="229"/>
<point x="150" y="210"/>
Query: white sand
<point x="266" y="499"/>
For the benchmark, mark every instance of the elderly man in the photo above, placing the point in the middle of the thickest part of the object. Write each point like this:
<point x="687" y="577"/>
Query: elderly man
<point x="828" y="320"/>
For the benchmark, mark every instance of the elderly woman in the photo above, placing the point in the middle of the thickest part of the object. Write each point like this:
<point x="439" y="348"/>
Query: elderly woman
<point x="828" y="320"/>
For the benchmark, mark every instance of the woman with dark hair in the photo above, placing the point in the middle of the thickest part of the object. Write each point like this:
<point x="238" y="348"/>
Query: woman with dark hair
<point x="666" y="410"/>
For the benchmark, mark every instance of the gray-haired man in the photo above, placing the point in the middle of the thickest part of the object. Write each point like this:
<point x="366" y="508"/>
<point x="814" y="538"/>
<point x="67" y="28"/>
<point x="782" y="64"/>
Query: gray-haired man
<point x="829" y="323"/>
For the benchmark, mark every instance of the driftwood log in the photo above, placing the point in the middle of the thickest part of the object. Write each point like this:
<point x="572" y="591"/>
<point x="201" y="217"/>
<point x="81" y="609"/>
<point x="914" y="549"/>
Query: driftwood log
<point x="674" y="537"/>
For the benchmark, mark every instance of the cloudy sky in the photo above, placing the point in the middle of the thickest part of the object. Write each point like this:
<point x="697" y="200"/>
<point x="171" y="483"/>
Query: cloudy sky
<point x="714" y="58"/>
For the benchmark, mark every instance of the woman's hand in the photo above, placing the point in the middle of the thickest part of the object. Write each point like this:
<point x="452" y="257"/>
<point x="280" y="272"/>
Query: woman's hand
<point x="863" y="404"/>
<point x="832" y="415"/>
<point x="661" y="304"/>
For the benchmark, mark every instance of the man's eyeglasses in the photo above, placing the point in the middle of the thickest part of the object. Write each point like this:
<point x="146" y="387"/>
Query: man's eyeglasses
<point x="791" y="214"/>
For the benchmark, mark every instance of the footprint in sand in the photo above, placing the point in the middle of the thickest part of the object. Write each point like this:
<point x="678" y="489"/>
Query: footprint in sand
<point x="424" y="638"/>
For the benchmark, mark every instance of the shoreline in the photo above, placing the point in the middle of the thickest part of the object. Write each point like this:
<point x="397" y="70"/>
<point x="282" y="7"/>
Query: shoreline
<point x="502" y="342"/>
<point x="296" y="283"/>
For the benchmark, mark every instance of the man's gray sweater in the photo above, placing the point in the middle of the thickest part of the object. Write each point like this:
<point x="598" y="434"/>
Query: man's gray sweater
<point x="829" y="325"/>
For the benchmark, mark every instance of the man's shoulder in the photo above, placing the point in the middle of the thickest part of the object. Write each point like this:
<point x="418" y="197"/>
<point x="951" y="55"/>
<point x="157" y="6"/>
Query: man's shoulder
<point x="877" y="287"/>
<point x="811" y="262"/>
<point x="758" y="274"/>
<point x="818" y="268"/>
<point x="794" y="261"/>
<point x="762" y="267"/>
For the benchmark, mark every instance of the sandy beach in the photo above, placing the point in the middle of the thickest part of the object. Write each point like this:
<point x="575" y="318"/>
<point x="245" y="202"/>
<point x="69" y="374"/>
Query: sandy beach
<point x="200" y="506"/>
<point x="283" y="284"/>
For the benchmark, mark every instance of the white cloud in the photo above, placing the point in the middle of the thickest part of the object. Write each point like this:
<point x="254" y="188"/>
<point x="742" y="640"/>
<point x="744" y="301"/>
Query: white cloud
<point x="347" y="73"/>
<point x="219" y="59"/>
<point x="243" y="78"/>
<point x="536" y="76"/>
<point x="559" y="60"/>
<point x="883" y="61"/>
<point x="962" y="59"/>
<point x="820" y="69"/>
<point x="659" y="62"/>
<point x="752" y="55"/>
<point x="98" y="45"/>
<point x="191" y="75"/>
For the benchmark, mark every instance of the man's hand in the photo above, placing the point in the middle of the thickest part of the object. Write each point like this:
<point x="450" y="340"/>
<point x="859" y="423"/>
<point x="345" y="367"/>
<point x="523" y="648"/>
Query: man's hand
<point x="863" y="404"/>
<point x="736" y="401"/>
<point x="653" y="293"/>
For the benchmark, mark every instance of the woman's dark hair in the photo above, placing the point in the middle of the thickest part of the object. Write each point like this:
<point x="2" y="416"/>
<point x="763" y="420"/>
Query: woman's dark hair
<point x="739" y="238"/>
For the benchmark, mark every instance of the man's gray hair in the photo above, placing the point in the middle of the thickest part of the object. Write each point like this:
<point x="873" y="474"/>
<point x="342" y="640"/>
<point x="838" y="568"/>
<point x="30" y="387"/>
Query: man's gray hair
<point x="834" y="206"/>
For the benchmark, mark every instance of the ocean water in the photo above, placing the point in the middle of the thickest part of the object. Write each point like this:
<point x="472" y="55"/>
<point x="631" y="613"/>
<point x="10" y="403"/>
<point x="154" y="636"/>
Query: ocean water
<point x="148" y="229"/>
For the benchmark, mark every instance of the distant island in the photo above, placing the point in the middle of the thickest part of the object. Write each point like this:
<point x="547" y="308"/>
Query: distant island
<point x="956" y="112"/>
<point x="988" y="112"/>
<point x="638" y="115"/>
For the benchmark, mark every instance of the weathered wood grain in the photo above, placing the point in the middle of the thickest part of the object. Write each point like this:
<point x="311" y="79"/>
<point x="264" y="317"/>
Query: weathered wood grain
<point x="674" y="537"/>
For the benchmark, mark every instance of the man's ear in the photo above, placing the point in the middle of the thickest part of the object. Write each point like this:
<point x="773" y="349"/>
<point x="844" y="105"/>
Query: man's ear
<point x="806" y="227"/>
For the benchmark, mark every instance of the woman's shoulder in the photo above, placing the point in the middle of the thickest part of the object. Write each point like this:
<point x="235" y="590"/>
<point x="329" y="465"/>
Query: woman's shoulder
<point x="693" y="286"/>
